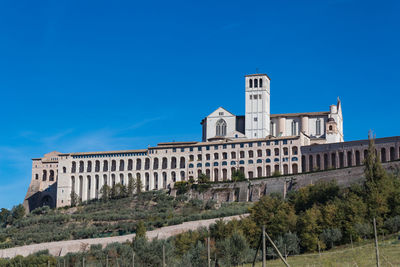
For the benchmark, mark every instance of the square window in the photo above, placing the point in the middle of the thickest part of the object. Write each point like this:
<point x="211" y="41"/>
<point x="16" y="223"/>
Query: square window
<point x="233" y="145"/>
<point x="182" y="149"/>
<point x="255" y="119"/>
<point x="191" y="149"/>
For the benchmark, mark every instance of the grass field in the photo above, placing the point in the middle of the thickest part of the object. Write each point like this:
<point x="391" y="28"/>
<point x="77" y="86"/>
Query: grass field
<point x="362" y="254"/>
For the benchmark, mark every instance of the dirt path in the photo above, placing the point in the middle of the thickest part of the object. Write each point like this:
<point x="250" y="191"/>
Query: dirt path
<point x="60" y="248"/>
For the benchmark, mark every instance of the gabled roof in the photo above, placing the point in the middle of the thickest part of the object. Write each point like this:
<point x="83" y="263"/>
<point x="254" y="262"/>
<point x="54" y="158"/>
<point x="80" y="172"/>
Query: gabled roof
<point x="218" y="109"/>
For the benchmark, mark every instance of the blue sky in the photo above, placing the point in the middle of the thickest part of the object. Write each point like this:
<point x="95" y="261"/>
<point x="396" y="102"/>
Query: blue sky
<point x="104" y="75"/>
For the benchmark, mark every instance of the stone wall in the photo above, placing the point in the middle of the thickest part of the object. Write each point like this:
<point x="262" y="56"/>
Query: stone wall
<point x="256" y="188"/>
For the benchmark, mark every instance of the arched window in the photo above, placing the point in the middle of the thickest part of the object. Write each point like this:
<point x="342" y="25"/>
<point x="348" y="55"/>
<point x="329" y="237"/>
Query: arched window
<point x="173" y="163"/>
<point x="89" y="166"/>
<point x="164" y="163"/>
<point x="250" y="83"/>
<point x="121" y="178"/>
<point x="255" y="83"/>
<point x="97" y="186"/>
<point x="294" y="128"/>
<point x="113" y="165"/>
<point x="155" y="180"/>
<point x="221" y="128"/>
<point x="105" y="166"/>
<point x="155" y="163"/>
<point x="260" y="82"/>
<point x="164" y="174"/>
<point x="294" y="168"/>
<point x="113" y="179"/>
<point x="130" y="164"/>
<point x="81" y="166"/>
<point x="51" y="176"/>
<point x="64" y="170"/>
<point x="72" y="184"/>
<point x="73" y="168"/>
<point x="138" y="164"/>
<point x="44" y="177"/>
<point x="105" y="179"/>
<point x="318" y="127"/>
<point x="182" y="163"/>
<point x="97" y="166"/>
<point x="121" y="165"/>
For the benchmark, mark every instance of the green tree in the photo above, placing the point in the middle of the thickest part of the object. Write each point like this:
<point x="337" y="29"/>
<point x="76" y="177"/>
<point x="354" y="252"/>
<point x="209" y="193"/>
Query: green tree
<point x="276" y="214"/>
<point x="131" y="186"/>
<point x="218" y="230"/>
<point x="105" y="192"/>
<point x="196" y="256"/>
<point x="203" y="178"/>
<point x="74" y="199"/>
<point x="276" y="174"/>
<point x="114" y="192"/>
<point x="238" y="175"/>
<point x="378" y="185"/>
<point x="318" y="193"/>
<point x="181" y="187"/>
<point x="183" y="242"/>
<point x="4" y="213"/>
<point x="309" y="228"/>
<point x="139" y="185"/>
<point x="288" y="244"/>
<point x="330" y="236"/>
<point x="140" y="230"/>
<point x="120" y="191"/>
<point x="18" y="212"/>
<point x="233" y="250"/>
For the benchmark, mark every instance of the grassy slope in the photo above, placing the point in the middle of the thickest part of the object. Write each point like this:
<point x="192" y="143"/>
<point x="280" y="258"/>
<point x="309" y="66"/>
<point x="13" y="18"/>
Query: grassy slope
<point x="362" y="254"/>
<point x="116" y="217"/>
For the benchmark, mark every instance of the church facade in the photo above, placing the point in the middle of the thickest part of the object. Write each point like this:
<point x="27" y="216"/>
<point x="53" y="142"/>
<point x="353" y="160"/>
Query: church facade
<point x="322" y="127"/>
<point x="259" y="144"/>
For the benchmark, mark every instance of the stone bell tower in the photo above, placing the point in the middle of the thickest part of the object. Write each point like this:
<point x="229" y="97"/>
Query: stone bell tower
<point x="257" y="119"/>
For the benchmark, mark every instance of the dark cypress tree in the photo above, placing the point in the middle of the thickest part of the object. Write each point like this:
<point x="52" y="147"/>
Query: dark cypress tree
<point x="377" y="184"/>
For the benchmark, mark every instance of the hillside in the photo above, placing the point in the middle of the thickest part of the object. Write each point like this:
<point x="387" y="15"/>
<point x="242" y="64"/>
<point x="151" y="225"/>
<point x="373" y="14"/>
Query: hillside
<point x="111" y="218"/>
<point x="362" y="254"/>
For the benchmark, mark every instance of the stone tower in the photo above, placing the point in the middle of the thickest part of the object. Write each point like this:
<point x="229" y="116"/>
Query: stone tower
<point x="257" y="120"/>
